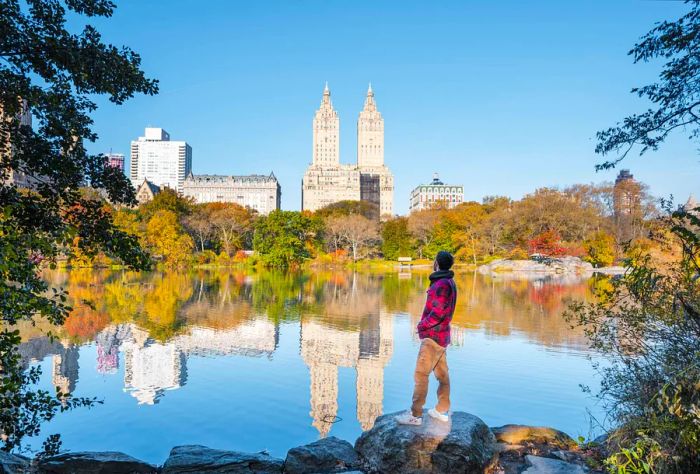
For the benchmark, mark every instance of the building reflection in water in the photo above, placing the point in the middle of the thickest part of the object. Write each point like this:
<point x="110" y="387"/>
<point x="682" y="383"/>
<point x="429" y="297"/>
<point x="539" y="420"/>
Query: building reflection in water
<point x="157" y="321"/>
<point x="354" y="331"/>
<point x="152" y="367"/>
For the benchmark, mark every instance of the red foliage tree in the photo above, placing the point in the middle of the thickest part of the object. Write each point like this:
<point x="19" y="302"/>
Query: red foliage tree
<point x="547" y="243"/>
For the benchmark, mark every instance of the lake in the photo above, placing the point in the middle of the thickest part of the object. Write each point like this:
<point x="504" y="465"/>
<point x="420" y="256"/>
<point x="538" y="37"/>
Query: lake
<point x="254" y="361"/>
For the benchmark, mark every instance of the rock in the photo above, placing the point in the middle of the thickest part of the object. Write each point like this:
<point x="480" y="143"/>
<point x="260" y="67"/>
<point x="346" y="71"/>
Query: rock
<point x="194" y="459"/>
<point x="13" y="463"/>
<point x="94" y="463"/>
<point x="559" y="265"/>
<point x="326" y="455"/>
<point x="567" y="456"/>
<point x="539" y="465"/>
<point x="522" y="434"/>
<point x="464" y="444"/>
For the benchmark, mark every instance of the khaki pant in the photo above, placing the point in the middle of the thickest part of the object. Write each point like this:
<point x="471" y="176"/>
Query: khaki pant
<point x="431" y="358"/>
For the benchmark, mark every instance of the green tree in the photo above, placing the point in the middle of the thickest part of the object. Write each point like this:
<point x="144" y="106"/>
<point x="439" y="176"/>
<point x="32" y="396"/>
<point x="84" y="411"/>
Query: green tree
<point x="166" y="200"/>
<point x="648" y="327"/>
<point x="52" y="73"/>
<point x="285" y="238"/>
<point x="346" y="208"/>
<point x="396" y="239"/>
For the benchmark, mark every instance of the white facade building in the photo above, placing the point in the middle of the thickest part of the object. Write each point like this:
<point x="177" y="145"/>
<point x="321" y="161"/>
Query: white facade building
<point x="327" y="181"/>
<point x="434" y="194"/>
<point x="259" y="192"/>
<point x="161" y="161"/>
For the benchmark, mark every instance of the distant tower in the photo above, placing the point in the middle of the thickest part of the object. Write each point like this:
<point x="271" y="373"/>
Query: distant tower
<point x="627" y="206"/>
<point x="370" y="134"/>
<point x="626" y="194"/>
<point x="326" y="152"/>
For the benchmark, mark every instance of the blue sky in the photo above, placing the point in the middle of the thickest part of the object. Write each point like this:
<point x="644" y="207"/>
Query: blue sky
<point x="503" y="97"/>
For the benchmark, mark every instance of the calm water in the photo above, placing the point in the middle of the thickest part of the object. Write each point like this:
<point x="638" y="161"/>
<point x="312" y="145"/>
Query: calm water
<point x="254" y="361"/>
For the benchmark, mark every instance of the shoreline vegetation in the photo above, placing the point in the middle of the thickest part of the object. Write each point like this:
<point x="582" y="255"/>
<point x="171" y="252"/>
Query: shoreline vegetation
<point x="549" y="224"/>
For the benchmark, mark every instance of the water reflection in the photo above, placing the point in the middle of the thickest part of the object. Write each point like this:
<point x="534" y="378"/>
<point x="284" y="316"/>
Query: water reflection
<point x="152" y="323"/>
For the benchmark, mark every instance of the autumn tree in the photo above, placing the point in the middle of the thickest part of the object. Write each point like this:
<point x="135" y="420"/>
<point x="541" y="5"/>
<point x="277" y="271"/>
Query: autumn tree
<point x="422" y="224"/>
<point x="356" y="231"/>
<point x="470" y="219"/>
<point x="167" y="239"/>
<point x="648" y="328"/>
<point x="199" y="225"/>
<point x="231" y="223"/>
<point x="600" y="249"/>
<point x="52" y="69"/>
<point x="548" y="243"/>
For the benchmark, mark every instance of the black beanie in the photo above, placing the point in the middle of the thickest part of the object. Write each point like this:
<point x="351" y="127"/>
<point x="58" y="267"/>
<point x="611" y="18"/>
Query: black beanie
<point x="444" y="260"/>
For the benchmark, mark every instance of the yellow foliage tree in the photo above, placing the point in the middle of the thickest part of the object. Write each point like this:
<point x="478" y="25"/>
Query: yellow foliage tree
<point x="166" y="239"/>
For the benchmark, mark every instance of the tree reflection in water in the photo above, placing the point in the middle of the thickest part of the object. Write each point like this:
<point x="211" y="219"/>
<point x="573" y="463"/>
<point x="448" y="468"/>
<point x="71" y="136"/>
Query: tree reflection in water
<point x="346" y="319"/>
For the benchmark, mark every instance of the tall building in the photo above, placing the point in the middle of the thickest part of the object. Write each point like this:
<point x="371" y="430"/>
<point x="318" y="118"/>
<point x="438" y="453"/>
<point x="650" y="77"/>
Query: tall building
<point x="15" y="176"/>
<point x="627" y="207"/>
<point x="259" y="192"/>
<point x="376" y="180"/>
<point x="115" y="160"/>
<point x="163" y="162"/>
<point x="436" y="193"/>
<point x="327" y="181"/>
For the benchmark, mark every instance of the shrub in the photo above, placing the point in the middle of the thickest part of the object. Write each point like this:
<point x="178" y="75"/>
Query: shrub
<point x="518" y="253"/>
<point x="600" y="249"/>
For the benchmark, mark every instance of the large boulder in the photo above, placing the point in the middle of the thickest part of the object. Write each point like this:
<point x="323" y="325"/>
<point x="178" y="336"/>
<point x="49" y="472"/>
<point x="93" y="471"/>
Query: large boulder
<point x="540" y="465"/>
<point x="13" y="463"/>
<point x="462" y="445"/>
<point x="195" y="459"/>
<point x="529" y="435"/>
<point x="326" y="455"/>
<point x="94" y="463"/>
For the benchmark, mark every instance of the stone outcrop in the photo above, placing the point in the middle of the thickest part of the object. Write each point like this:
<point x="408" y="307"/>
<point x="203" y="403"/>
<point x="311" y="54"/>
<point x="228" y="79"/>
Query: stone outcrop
<point x="464" y="444"/>
<point x="561" y="265"/>
<point x="201" y="459"/>
<point x="540" y="465"/>
<point x="13" y="463"/>
<point x="537" y="450"/>
<point x="524" y="435"/>
<point x="326" y="455"/>
<point x="94" y="463"/>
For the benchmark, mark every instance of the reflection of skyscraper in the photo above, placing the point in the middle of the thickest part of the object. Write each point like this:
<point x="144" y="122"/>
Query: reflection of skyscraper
<point x="65" y="369"/>
<point x="150" y="368"/>
<point x="325" y="349"/>
<point x="324" y="396"/>
<point x="108" y="350"/>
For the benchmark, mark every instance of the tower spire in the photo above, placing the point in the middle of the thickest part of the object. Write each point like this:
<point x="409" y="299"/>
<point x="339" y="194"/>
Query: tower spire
<point x="369" y="90"/>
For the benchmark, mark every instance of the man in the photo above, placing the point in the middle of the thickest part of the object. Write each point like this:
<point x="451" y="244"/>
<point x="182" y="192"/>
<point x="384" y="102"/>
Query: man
<point x="434" y="332"/>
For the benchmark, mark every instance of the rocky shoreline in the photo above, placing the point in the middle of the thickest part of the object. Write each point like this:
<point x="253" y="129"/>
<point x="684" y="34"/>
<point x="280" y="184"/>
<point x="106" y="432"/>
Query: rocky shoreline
<point x="463" y="445"/>
<point x="548" y="266"/>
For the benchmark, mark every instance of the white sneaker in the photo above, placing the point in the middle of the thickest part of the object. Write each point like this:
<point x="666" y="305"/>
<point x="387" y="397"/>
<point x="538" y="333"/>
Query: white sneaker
<point x="437" y="415"/>
<point x="407" y="418"/>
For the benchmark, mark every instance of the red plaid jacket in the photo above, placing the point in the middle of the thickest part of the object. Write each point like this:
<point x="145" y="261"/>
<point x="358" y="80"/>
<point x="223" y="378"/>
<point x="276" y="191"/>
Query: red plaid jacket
<point x="439" y="308"/>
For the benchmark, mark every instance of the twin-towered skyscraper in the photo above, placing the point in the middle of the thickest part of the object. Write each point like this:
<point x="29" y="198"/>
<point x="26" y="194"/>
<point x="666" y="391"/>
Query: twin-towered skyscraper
<point x="327" y="181"/>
